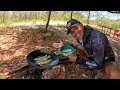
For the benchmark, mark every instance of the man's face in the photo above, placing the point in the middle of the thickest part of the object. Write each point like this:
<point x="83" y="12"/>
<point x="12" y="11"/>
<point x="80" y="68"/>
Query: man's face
<point x="77" y="31"/>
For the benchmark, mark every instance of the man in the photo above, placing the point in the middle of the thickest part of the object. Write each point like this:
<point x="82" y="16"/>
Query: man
<point x="94" y="42"/>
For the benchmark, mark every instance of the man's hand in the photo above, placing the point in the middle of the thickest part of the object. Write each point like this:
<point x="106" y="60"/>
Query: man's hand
<point x="72" y="58"/>
<point x="58" y="45"/>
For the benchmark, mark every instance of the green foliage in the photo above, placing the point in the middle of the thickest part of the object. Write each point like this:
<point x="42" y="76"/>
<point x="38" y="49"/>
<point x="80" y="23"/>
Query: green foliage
<point x="28" y="16"/>
<point x="111" y="23"/>
<point x="60" y="15"/>
<point x="49" y="33"/>
<point x="9" y="17"/>
<point x="79" y="16"/>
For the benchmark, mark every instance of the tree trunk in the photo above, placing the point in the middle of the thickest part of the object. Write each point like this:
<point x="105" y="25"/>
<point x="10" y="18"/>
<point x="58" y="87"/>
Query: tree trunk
<point x="71" y="14"/>
<point x="3" y="17"/>
<point x="88" y="22"/>
<point x="48" y="21"/>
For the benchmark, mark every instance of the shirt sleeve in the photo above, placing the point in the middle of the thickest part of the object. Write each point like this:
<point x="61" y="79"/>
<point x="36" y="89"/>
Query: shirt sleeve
<point x="89" y="65"/>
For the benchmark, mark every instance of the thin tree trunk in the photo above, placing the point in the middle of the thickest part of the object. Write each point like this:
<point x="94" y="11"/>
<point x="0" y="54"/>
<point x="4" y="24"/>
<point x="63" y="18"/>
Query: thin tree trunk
<point x="48" y="21"/>
<point x="88" y="22"/>
<point x="71" y="14"/>
<point x="3" y="17"/>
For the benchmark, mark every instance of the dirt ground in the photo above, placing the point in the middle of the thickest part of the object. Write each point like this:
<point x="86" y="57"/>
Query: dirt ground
<point x="16" y="42"/>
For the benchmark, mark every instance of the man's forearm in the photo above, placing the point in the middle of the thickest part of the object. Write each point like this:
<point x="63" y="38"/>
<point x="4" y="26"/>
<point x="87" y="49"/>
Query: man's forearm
<point x="82" y="52"/>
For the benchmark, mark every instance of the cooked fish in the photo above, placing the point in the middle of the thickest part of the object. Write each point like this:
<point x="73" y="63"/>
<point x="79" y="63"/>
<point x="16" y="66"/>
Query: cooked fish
<point x="43" y="60"/>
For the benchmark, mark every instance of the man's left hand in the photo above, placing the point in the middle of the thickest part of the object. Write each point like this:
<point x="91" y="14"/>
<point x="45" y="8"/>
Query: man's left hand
<point x="72" y="58"/>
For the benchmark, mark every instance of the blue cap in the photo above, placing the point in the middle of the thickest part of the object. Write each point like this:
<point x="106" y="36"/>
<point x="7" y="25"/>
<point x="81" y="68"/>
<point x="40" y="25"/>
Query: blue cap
<point x="72" y="23"/>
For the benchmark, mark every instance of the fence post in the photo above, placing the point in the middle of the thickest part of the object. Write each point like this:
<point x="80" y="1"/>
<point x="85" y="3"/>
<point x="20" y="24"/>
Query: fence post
<point x="107" y="31"/>
<point x="110" y="31"/>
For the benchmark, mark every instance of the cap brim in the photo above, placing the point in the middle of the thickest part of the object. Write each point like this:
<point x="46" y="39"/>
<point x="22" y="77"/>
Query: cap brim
<point x="71" y="27"/>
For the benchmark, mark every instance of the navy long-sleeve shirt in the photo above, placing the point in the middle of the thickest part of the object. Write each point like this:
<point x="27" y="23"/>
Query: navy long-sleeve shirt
<point x="97" y="45"/>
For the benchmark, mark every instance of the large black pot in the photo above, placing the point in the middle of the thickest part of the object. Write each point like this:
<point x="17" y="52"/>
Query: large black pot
<point x="34" y="54"/>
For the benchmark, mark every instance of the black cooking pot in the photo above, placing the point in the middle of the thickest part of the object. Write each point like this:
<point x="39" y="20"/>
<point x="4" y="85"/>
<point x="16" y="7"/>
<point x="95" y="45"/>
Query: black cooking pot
<point x="34" y="54"/>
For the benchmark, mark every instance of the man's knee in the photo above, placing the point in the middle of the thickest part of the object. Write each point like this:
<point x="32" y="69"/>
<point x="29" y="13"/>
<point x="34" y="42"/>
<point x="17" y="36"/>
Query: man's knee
<point x="112" y="70"/>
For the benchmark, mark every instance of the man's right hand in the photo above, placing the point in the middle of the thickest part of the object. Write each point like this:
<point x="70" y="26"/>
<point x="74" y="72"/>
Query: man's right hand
<point x="58" y="45"/>
<point x="72" y="58"/>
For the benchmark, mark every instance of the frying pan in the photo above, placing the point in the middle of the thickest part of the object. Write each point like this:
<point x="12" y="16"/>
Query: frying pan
<point x="42" y="52"/>
<point x="56" y="59"/>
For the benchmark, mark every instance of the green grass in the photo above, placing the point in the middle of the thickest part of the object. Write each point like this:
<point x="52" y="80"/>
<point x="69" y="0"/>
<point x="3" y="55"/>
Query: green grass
<point x="49" y="33"/>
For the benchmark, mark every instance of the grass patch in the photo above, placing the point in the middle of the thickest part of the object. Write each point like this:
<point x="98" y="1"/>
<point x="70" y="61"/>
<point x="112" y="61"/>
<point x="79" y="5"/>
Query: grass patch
<point x="49" y="33"/>
<point x="39" y="30"/>
<point x="42" y="30"/>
